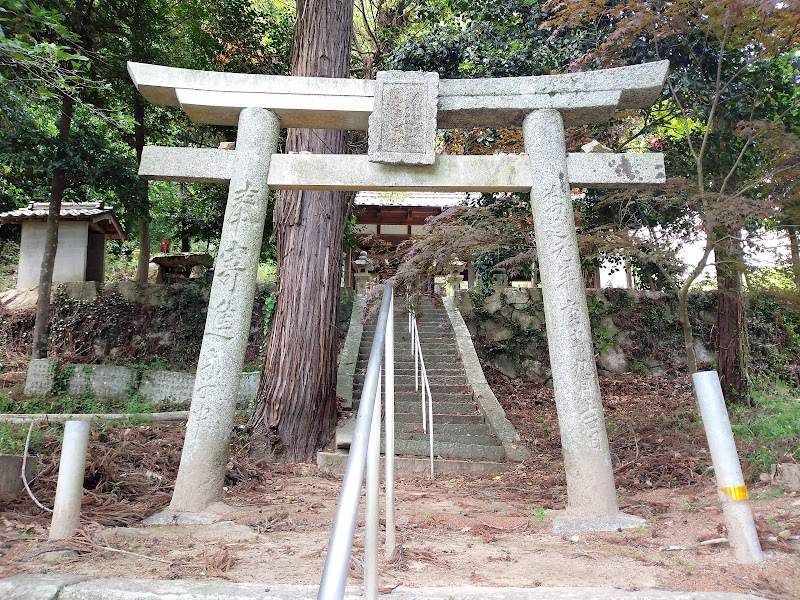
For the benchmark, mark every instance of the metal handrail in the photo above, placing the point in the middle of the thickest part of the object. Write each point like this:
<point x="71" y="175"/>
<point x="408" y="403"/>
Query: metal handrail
<point x="421" y="373"/>
<point x="340" y="546"/>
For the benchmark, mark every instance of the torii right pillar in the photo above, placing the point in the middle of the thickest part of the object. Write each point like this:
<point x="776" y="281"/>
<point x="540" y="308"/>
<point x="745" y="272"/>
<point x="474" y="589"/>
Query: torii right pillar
<point x="591" y="493"/>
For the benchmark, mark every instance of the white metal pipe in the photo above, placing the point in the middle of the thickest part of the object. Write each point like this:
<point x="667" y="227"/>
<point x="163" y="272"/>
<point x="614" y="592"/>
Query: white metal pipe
<point x="414" y="346"/>
<point x="730" y="482"/>
<point x="391" y="536"/>
<point x="340" y="546"/>
<point x="69" y="488"/>
<point x="372" y="510"/>
<point x="422" y="374"/>
<point x="430" y="417"/>
<point x="424" y="378"/>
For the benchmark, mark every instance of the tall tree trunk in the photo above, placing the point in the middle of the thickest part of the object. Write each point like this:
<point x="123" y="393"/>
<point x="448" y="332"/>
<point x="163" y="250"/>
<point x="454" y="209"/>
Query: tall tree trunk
<point x="686" y="329"/>
<point x="186" y="242"/>
<point x="142" y="191"/>
<point x="731" y="339"/>
<point x="794" y="245"/>
<point x="41" y="328"/>
<point x="295" y="411"/>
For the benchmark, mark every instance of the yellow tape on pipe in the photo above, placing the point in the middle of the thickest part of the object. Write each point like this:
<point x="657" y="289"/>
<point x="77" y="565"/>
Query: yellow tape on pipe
<point x="738" y="492"/>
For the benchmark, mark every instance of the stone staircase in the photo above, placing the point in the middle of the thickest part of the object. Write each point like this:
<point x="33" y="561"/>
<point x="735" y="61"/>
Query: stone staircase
<point x="463" y="440"/>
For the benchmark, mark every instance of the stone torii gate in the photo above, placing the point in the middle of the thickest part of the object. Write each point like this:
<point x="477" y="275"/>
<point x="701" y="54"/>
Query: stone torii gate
<point x="402" y="112"/>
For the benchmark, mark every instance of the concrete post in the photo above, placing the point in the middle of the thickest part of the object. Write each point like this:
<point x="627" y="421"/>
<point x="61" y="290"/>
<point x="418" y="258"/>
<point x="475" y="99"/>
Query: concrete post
<point x="727" y="469"/>
<point x="205" y="450"/>
<point x="591" y="494"/>
<point x="69" y="488"/>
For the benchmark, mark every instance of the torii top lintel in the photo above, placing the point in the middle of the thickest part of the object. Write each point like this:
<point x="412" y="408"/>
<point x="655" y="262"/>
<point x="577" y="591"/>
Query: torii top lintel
<point x="326" y="103"/>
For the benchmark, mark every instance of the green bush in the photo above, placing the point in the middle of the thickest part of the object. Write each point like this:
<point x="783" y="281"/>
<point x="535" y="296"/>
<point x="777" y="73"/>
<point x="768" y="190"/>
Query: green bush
<point x="13" y="435"/>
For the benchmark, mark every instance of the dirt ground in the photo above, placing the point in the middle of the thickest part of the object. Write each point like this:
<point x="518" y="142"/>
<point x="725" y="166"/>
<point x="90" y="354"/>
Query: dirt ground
<point x="489" y="531"/>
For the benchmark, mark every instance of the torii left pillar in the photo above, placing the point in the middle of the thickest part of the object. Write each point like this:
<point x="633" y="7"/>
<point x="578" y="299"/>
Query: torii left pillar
<point x="591" y="493"/>
<point x="219" y="368"/>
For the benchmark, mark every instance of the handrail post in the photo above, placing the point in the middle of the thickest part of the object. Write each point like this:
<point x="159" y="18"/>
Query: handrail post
<point x="430" y="419"/>
<point x="414" y="346"/>
<point x="421" y="370"/>
<point x="372" y="510"/>
<point x="340" y="546"/>
<point x="391" y="537"/>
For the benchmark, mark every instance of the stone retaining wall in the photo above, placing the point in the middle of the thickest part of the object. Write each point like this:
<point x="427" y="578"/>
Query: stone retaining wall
<point x="632" y="331"/>
<point x="128" y="323"/>
<point x="122" y="383"/>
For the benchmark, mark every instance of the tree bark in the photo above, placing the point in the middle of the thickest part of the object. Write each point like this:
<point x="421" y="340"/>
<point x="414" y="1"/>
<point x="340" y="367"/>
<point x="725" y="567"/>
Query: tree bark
<point x="731" y="325"/>
<point x="142" y="191"/>
<point x="794" y="245"/>
<point x="186" y="242"/>
<point x="686" y="329"/>
<point x="41" y="328"/>
<point x="295" y="411"/>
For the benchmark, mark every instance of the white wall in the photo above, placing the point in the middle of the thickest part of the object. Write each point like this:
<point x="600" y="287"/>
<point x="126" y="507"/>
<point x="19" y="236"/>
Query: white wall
<point x="70" y="257"/>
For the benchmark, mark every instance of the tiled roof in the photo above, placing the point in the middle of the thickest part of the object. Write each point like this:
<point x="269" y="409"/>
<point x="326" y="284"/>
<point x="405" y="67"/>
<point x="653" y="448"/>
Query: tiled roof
<point x="96" y="212"/>
<point x="38" y="210"/>
<point x="433" y="199"/>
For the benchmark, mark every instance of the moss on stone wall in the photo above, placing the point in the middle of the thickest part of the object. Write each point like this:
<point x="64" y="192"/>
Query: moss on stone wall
<point x="632" y="331"/>
<point x="159" y="325"/>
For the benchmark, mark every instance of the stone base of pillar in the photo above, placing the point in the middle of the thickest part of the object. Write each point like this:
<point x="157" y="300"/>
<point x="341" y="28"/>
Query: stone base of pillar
<point x="567" y="522"/>
<point x="213" y="514"/>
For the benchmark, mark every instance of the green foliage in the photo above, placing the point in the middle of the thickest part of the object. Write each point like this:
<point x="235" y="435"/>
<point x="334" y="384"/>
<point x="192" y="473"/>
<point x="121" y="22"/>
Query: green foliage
<point x="9" y="260"/>
<point x="267" y="272"/>
<point x="82" y="404"/>
<point x="13" y="436"/>
<point x="121" y="262"/>
<point x="777" y="278"/>
<point x="162" y="330"/>
<point x="270" y="301"/>
<point x="774" y="330"/>
<point x="481" y="39"/>
<point x="537" y="515"/>
<point x="775" y="414"/>
<point x="769" y="430"/>
<point x="771" y="495"/>
<point x="37" y="50"/>
<point x="61" y="377"/>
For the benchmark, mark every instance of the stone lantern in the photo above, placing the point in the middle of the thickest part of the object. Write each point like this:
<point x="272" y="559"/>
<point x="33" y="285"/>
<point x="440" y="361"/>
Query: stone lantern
<point x="362" y="267"/>
<point x="454" y="276"/>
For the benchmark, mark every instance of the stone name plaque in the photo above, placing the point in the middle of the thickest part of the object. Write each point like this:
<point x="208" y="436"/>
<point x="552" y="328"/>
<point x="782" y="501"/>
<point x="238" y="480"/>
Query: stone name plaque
<point x="402" y="126"/>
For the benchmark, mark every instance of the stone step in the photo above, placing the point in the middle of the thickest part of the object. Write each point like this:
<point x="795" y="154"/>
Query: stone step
<point x="440" y="363"/>
<point x="439" y="408"/>
<point x="480" y="440"/>
<point x="447" y="449"/>
<point x="475" y="419"/>
<point x="434" y="371"/>
<point x="401" y="354"/>
<point x="443" y="432"/>
<point x="444" y="355"/>
<point x="412" y="396"/>
<point x="408" y="380"/>
<point x="335" y="462"/>
<point x="458" y="405"/>
<point x="405" y="344"/>
<point x="402" y="329"/>
<point x="402" y="342"/>
<point x="437" y="389"/>
<point x="448" y="429"/>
